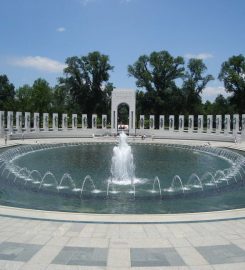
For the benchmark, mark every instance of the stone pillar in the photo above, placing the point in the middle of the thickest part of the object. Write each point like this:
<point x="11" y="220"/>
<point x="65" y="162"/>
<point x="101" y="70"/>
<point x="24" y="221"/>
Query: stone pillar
<point x="64" y="121"/>
<point x="74" y="121"/>
<point x="27" y="121"/>
<point x="200" y="124"/>
<point x="132" y="121"/>
<point x="45" y="121"/>
<point x="36" y="119"/>
<point x="85" y="121"/>
<point x="181" y="123"/>
<point x="218" y="122"/>
<point x="104" y="121"/>
<point x="152" y="122"/>
<point x="235" y="122"/>
<point x="114" y="121"/>
<point x="243" y="126"/>
<point x="2" y="124"/>
<point x="94" y="121"/>
<point x="55" y="124"/>
<point x="171" y="123"/>
<point x="10" y="122"/>
<point x="227" y="124"/>
<point x="142" y="122"/>
<point x="209" y="123"/>
<point x="161" y="122"/>
<point x="19" y="121"/>
<point x="190" y="123"/>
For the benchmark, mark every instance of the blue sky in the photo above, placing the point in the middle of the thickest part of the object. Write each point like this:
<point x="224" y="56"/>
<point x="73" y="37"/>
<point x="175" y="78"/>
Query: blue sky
<point x="36" y="36"/>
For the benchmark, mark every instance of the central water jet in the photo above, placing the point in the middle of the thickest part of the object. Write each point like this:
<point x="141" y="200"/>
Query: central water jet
<point x="122" y="166"/>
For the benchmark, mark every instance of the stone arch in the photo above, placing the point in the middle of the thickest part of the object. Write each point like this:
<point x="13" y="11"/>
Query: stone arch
<point x="123" y="96"/>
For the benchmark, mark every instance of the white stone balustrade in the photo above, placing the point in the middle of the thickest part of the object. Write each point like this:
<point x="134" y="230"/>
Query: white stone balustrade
<point x="233" y="126"/>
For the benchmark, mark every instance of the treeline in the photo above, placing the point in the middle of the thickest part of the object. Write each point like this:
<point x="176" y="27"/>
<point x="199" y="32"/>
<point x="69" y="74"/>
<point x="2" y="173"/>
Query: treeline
<point x="166" y="85"/>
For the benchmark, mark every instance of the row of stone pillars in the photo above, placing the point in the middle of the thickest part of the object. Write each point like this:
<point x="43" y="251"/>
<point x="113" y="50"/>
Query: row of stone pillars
<point x="208" y="124"/>
<point x="217" y="123"/>
<point x="23" y="122"/>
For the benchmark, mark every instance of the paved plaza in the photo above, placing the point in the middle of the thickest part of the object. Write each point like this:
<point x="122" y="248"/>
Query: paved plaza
<point x="38" y="244"/>
<point x="53" y="241"/>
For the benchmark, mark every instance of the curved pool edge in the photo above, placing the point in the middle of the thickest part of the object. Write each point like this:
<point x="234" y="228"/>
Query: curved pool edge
<point x="24" y="213"/>
<point x="44" y="215"/>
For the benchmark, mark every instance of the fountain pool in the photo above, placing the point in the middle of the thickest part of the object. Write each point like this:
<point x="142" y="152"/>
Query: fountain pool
<point x="122" y="178"/>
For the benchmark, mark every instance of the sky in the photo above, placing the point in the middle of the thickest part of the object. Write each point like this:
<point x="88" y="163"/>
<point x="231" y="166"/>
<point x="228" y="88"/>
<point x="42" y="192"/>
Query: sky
<point x="36" y="36"/>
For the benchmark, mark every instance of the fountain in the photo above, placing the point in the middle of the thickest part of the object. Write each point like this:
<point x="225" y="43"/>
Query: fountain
<point x="122" y="167"/>
<point x="122" y="178"/>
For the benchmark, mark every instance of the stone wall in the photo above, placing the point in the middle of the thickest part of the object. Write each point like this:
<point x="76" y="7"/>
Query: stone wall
<point x="210" y="127"/>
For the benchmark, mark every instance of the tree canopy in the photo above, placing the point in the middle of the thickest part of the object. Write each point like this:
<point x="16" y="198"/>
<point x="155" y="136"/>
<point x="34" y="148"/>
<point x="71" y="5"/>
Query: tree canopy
<point x="35" y="98"/>
<point x="233" y="75"/>
<point x="194" y="83"/>
<point x="86" y="80"/>
<point x="7" y="94"/>
<point x="157" y="75"/>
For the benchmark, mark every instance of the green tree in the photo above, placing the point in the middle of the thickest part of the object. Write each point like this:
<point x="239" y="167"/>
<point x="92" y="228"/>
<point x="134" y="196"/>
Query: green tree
<point x="61" y="100"/>
<point x="221" y="105"/>
<point x="7" y="94"/>
<point x="157" y="75"/>
<point x="233" y="75"/>
<point x="207" y="108"/>
<point x="194" y="83"/>
<point x="87" y="82"/>
<point x="41" y="96"/>
<point x="24" y="98"/>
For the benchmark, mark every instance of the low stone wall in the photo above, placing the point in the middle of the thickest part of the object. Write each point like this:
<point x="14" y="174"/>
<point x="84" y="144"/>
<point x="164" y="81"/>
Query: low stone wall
<point x="154" y="134"/>
<point x="211" y="127"/>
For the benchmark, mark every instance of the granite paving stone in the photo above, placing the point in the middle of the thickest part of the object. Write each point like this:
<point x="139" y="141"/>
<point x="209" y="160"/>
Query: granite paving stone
<point x="219" y="254"/>
<point x="18" y="251"/>
<point x="151" y="257"/>
<point x="83" y="256"/>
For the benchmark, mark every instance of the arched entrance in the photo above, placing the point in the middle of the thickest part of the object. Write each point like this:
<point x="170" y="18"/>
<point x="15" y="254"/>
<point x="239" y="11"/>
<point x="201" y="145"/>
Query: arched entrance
<point x="123" y="117"/>
<point x="119" y="97"/>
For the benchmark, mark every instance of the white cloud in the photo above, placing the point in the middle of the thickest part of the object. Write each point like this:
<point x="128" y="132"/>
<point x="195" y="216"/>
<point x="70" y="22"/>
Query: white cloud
<point x="39" y="63"/>
<point x="211" y="92"/>
<point x="202" y="56"/>
<point x="61" y="29"/>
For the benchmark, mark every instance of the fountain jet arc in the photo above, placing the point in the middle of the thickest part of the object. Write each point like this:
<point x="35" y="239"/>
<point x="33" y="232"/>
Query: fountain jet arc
<point x="122" y="167"/>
